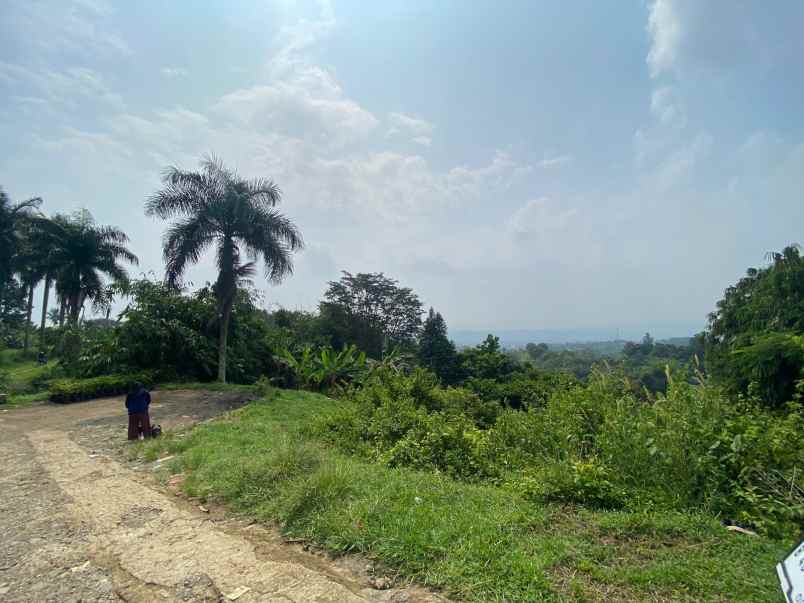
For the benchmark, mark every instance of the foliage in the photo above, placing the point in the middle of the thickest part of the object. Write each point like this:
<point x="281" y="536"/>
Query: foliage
<point x="73" y="390"/>
<point x="436" y="352"/>
<point x="522" y="389"/>
<point x="14" y="220"/>
<point x="747" y="337"/>
<point x="410" y="420"/>
<point x="216" y="206"/>
<point x="324" y="369"/>
<point x="81" y="253"/>
<point x="295" y="330"/>
<point x="12" y="313"/>
<point x="771" y="366"/>
<point x="372" y="312"/>
<point x="487" y="360"/>
<point x="475" y="542"/>
<point x="578" y="362"/>
<point x="645" y="362"/>
<point x="596" y="444"/>
<point x="583" y="481"/>
<point x="175" y="334"/>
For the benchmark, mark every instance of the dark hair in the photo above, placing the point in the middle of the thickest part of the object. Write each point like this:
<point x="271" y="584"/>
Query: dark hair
<point x="135" y="387"/>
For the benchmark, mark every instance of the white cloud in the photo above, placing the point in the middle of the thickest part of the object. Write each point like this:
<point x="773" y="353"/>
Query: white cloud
<point x="80" y="27"/>
<point x="666" y="106"/>
<point x="539" y="217"/>
<point x="409" y="125"/>
<point x="308" y="105"/>
<point x="174" y="72"/>
<point x="717" y="37"/>
<point x="425" y="141"/>
<point x="68" y="88"/>
<point x="664" y="26"/>
<point x="554" y="162"/>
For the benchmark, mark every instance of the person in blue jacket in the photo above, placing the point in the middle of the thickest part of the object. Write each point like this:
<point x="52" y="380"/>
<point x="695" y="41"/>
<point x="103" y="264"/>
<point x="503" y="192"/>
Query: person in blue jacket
<point x="137" y="402"/>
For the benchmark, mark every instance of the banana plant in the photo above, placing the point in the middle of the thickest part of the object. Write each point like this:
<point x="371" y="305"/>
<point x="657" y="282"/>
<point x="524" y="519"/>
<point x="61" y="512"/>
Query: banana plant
<point x="325" y="368"/>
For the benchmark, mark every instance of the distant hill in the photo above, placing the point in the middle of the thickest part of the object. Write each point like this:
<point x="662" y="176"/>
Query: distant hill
<point x="517" y="338"/>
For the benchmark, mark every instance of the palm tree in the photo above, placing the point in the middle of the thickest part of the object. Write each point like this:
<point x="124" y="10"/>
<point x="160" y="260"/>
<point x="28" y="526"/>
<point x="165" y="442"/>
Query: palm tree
<point x="217" y="206"/>
<point x="14" y="220"/>
<point x="82" y="253"/>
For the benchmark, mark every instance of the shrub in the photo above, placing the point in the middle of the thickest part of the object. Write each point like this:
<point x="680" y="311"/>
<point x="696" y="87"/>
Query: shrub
<point x="598" y="444"/>
<point x="324" y="369"/>
<point x="74" y="390"/>
<point x="587" y="482"/>
<point x="409" y="420"/>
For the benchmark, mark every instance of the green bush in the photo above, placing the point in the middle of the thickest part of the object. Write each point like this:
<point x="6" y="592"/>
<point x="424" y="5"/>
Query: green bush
<point x="598" y="444"/>
<point x="586" y="482"/>
<point x="323" y="369"/>
<point x="409" y="420"/>
<point x="74" y="390"/>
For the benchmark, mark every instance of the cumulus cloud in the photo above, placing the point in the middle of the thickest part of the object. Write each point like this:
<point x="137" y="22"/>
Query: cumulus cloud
<point x="309" y="105"/>
<point x="720" y="36"/>
<point x="539" y="217"/>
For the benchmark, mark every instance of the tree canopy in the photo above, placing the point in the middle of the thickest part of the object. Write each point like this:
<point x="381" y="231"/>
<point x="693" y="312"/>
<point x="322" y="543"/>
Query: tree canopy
<point x="436" y="352"/>
<point x="217" y="207"/>
<point x="371" y="311"/>
<point x="753" y="336"/>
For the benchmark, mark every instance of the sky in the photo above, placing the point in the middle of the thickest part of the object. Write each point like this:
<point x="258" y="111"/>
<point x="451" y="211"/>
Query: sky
<point x="520" y="165"/>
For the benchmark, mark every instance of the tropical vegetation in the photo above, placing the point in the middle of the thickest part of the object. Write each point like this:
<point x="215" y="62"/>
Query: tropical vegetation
<point x="627" y="441"/>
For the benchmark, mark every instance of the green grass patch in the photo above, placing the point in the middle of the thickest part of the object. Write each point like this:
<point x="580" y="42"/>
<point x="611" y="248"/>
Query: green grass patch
<point x="23" y="379"/>
<point x="476" y="542"/>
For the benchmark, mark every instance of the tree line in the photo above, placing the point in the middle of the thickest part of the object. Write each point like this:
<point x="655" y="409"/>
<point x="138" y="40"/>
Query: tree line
<point x="752" y="344"/>
<point x="213" y="207"/>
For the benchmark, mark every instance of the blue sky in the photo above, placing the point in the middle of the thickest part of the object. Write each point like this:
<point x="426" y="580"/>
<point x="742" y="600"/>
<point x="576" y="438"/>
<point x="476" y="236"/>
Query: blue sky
<point x="519" y="164"/>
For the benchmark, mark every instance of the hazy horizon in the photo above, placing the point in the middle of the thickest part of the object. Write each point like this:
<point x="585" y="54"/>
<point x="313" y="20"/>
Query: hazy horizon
<point x="521" y="166"/>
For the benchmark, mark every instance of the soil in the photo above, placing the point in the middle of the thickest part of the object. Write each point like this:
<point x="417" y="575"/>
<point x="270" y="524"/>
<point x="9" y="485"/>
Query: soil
<point x="81" y="523"/>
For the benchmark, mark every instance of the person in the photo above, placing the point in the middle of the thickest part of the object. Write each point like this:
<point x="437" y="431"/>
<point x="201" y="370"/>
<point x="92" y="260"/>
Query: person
<point x="137" y="402"/>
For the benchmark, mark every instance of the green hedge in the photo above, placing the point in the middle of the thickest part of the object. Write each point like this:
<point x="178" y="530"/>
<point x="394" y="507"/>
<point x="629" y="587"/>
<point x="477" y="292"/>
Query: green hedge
<point x="74" y="390"/>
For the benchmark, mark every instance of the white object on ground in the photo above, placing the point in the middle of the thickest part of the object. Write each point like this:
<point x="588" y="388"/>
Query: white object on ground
<point x="237" y="593"/>
<point x="791" y="575"/>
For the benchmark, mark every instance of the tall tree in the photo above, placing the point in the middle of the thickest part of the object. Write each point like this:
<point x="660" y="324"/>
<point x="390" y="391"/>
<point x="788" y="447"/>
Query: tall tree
<point x="371" y="310"/>
<point x="436" y="352"/>
<point x="14" y="221"/>
<point x="754" y="335"/>
<point x="83" y="254"/>
<point x="216" y="206"/>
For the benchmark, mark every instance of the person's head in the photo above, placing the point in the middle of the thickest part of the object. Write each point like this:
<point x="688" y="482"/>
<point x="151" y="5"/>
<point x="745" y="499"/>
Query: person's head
<point x="135" y="387"/>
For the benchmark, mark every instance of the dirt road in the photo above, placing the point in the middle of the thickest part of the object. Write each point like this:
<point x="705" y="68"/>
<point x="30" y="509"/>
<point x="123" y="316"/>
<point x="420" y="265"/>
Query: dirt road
<point x="79" y="523"/>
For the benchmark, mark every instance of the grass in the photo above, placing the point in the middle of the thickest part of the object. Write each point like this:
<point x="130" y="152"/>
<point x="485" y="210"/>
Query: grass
<point x="475" y="542"/>
<point x="24" y="376"/>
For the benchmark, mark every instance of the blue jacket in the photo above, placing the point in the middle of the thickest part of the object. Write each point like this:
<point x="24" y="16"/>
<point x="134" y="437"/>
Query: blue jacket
<point x="137" y="403"/>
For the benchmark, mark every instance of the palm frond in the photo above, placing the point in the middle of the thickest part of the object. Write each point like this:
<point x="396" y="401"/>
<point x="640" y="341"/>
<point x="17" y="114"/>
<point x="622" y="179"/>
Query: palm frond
<point x="183" y="243"/>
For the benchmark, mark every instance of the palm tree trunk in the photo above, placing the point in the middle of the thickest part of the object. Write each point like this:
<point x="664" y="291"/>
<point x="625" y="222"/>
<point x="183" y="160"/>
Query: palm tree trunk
<point x="27" y="342"/>
<point x="224" y="334"/>
<point x="62" y="311"/>
<point x="42" y="325"/>
<point x="75" y="308"/>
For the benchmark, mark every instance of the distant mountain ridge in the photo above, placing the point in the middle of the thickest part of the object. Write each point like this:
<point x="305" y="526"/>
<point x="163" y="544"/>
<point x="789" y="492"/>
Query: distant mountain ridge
<point x="516" y="338"/>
